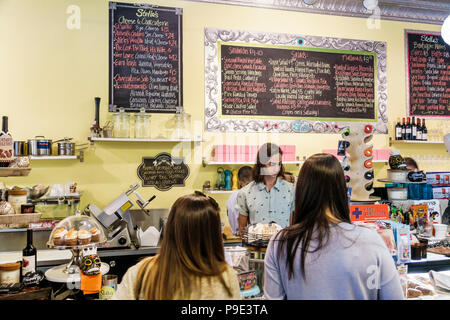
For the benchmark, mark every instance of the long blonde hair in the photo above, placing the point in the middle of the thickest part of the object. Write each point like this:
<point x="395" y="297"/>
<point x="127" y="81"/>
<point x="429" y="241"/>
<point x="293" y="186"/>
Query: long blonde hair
<point x="192" y="248"/>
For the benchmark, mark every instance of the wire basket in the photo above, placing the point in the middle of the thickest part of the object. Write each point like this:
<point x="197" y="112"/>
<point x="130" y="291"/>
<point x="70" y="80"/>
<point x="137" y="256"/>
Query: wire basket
<point x="259" y="239"/>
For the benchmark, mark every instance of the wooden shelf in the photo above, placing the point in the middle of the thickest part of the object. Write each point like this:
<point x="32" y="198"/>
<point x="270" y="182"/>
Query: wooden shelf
<point x="19" y="218"/>
<point x="11" y="172"/>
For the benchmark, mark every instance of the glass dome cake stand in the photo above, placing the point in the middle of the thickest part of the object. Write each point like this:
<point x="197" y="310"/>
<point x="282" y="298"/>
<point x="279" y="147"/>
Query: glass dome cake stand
<point x="67" y="236"/>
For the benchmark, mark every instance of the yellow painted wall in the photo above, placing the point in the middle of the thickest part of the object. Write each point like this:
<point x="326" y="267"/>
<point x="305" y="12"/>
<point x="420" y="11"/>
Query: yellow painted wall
<point x="50" y="76"/>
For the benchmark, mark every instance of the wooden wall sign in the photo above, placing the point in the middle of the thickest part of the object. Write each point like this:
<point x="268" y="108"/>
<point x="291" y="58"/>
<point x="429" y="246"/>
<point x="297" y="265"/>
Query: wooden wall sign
<point x="292" y="83"/>
<point x="163" y="172"/>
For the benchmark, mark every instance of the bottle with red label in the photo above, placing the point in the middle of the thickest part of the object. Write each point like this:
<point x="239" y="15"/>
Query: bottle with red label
<point x="6" y="144"/>
<point x="29" y="255"/>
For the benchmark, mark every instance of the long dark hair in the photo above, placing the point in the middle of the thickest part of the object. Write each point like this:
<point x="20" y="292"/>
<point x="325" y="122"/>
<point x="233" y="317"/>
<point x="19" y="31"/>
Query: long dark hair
<point x="320" y="187"/>
<point x="192" y="247"/>
<point x="265" y="152"/>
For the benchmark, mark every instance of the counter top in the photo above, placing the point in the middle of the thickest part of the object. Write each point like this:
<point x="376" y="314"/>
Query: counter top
<point x="54" y="256"/>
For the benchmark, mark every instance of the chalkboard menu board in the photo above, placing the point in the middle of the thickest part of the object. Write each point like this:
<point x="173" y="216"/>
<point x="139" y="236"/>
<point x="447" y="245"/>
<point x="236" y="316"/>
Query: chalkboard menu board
<point x="291" y="82"/>
<point x="428" y="72"/>
<point x="279" y="82"/>
<point x="144" y="58"/>
<point x="163" y="172"/>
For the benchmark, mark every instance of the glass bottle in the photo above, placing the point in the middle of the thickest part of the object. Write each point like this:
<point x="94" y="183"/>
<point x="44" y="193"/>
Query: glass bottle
<point x="182" y="128"/>
<point x="121" y="124"/>
<point x="6" y="144"/>
<point x="29" y="256"/>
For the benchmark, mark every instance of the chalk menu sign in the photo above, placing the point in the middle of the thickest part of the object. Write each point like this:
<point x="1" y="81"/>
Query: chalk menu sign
<point x="428" y="74"/>
<point x="271" y="81"/>
<point x="163" y="172"/>
<point x="277" y="82"/>
<point x="144" y="58"/>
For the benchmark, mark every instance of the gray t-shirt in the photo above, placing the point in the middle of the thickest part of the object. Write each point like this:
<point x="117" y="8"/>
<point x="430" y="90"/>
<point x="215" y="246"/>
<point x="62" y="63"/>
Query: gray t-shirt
<point x="355" y="264"/>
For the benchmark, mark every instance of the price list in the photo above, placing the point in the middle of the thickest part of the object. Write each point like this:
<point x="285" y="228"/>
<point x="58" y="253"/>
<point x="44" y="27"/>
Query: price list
<point x="270" y="81"/>
<point x="145" y="58"/>
<point x="428" y="58"/>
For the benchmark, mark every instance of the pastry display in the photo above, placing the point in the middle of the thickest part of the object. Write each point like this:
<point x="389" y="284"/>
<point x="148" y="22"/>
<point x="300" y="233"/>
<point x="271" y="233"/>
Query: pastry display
<point x="59" y="236"/>
<point x="419" y="287"/>
<point x="260" y="233"/>
<point x="84" y="237"/>
<point x="77" y="230"/>
<point x="72" y="238"/>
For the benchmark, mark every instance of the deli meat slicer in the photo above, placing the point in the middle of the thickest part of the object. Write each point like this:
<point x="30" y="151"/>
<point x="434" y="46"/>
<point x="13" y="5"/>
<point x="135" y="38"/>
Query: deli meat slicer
<point x="116" y="220"/>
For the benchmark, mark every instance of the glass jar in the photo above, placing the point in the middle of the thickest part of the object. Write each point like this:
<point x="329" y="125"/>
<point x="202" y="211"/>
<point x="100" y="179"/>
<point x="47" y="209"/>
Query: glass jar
<point x="16" y="198"/>
<point x="238" y="258"/>
<point x="182" y="128"/>
<point x="142" y="125"/>
<point x="10" y="273"/>
<point x="121" y="127"/>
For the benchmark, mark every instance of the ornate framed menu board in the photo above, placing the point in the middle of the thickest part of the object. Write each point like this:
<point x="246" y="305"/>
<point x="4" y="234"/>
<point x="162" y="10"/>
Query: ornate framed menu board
<point x="144" y="58"/>
<point x="428" y="74"/>
<point x="292" y="83"/>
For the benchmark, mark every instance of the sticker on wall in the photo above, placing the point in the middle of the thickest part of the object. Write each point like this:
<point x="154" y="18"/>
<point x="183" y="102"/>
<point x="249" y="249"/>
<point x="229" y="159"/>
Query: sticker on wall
<point x="300" y="41"/>
<point x="163" y="172"/>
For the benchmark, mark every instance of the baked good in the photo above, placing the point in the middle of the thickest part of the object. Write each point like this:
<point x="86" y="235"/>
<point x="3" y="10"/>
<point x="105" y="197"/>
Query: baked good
<point x="262" y="231"/>
<point x="59" y="236"/>
<point x="84" y="237"/>
<point x="95" y="234"/>
<point x="72" y="238"/>
<point x="414" y="293"/>
<point x="6" y="208"/>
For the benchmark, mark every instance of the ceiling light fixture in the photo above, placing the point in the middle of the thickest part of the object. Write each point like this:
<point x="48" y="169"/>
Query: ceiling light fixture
<point x="370" y="4"/>
<point x="309" y="2"/>
<point x="445" y="30"/>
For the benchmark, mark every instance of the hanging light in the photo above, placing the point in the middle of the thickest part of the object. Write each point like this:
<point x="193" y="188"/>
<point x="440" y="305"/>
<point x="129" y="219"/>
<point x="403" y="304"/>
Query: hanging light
<point x="445" y="31"/>
<point x="370" y="4"/>
<point x="309" y="2"/>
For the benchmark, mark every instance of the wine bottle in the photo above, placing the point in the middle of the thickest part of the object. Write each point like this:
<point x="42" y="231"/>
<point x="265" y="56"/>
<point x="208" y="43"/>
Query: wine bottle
<point x="424" y="131"/>
<point x="6" y="144"/>
<point x="413" y="129"/>
<point x="419" y="130"/>
<point x="29" y="256"/>
<point x="398" y="130"/>
<point x="403" y="130"/>
<point x="408" y="129"/>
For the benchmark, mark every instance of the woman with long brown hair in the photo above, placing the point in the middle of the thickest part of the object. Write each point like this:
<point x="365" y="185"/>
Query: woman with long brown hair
<point x="322" y="255"/>
<point x="191" y="261"/>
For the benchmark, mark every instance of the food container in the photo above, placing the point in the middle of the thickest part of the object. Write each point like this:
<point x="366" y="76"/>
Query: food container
<point x="39" y="147"/>
<point x="397" y="175"/>
<point x="16" y="198"/>
<point x="76" y="232"/>
<point x="66" y="148"/>
<point x="397" y="193"/>
<point x="238" y="258"/>
<point x="440" y="230"/>
<point x="10" y="273"/>
<point x="20" y="148"/>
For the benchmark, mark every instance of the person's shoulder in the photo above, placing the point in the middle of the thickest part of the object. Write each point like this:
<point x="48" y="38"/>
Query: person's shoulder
<point x="286" y="184"/>
<point x="247" y="187"/>
<point x="363" y="235"/>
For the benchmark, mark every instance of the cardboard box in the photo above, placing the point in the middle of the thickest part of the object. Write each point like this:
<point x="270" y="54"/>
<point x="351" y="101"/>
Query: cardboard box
<point x="442" y="192"/>
<point x="440" y="178"/>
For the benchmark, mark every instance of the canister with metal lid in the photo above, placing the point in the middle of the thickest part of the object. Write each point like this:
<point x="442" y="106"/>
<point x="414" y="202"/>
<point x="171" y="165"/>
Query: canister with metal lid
<point x="39" y="147"/>
<point x="10" y="273"/>
<point x="65" y="147"/>
<point x="20" y="148"/>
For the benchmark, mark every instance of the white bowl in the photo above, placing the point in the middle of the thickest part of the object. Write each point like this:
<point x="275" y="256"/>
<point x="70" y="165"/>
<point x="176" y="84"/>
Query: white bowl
<point x="397" y="175"/>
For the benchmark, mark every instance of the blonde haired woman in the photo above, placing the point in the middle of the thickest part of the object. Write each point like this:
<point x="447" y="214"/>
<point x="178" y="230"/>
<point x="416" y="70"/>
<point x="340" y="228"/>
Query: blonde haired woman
<point x="190" y="264"/>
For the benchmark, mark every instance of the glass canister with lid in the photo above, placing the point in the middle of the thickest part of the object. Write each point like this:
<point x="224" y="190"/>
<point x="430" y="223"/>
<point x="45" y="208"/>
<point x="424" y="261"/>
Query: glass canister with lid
<point x="121" y="127"/>
<point x="182" y="124"/>
<point x="142" y="125"/>
<point x="17" y="197"/>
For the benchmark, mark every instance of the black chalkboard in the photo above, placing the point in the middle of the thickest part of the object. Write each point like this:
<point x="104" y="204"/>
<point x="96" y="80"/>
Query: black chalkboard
<point x="428" y="74"/>
<point x="144" y="58"/>
<point x="163" y="172"/>
<point x="302" y="83"/>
